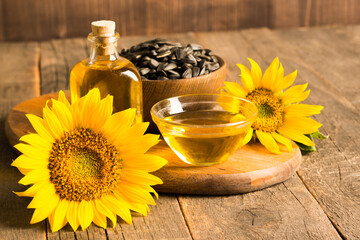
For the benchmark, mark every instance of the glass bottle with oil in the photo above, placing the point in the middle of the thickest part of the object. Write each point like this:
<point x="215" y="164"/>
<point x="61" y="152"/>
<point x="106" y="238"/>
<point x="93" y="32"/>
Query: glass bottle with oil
<point x="108" y="71"/>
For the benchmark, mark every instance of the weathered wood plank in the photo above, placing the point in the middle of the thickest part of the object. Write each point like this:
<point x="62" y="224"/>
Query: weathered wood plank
<point x="58" y="57"/>
<point x="332" y="173"/>
<point x="164" y="221"/>
<point x="284" y="211"/>
<point x="19" y="80"/>
<point x="43" y="20"/>
<point x="340" y="46"/>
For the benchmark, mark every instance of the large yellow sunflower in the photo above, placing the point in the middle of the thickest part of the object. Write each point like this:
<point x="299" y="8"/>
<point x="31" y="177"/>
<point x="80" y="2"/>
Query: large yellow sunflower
<point x="280" y="116"/>
<point x="86" y="165"/>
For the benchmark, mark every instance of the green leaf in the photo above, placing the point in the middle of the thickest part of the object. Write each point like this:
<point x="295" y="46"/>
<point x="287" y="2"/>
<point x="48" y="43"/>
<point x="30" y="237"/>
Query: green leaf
<point x="319" y="135"/>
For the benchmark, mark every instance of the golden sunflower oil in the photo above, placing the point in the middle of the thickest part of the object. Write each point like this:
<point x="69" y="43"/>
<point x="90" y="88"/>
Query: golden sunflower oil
<point x="108" y="71"/>
<point x="207" y="143"/>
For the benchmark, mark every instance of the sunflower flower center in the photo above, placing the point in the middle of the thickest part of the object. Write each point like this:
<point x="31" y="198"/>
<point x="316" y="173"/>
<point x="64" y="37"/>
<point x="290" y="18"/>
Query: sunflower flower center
<point x="270" y="110"/>
<point x="84" y="165"/>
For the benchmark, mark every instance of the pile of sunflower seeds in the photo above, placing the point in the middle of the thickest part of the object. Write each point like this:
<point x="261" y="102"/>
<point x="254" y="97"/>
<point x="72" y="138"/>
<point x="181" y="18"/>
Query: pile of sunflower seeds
<point x="160" y="59"/>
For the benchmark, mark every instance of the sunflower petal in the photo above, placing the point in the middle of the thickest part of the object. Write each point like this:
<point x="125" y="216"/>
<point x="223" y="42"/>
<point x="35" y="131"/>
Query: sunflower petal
<point x="60" y="215"/>
<point x="72" y="215"/>
<point x="131" y="134"/>
<point x="45" y="211"/>
<point x="35" y="176"/>
<point x="119" y="207"/>
<point x="63" y="113"/>
<point x="256" y="73"/>
<point x="296" y="136"/>
<point x="25" y="162"/>
<point x="104" y="111"/>
<point x="247" y="137"/>
<point x="142" y="145"/>
<point x="270" y="75"/>
<point x="99" y="219"/>
<point x="85" y="214"/>
<point x="246" y="78"/>
<point x="41" y="197"/>
<point x="38" y="124"/>
<point x="104" y="210"/>
<point x="138" y="207"/>
<point x="52" y="123"/>
<point x="287" y="81"/>
<point x="268" y="141"/>
<point x="282" y="140"/>
<point x="37" y="141"/>
<point x="126" y="118"/>
<point x="138" y="176"/>
<point x="304" y="125"/>
<point x="31" y="191"/>
<point x="62" y="98"/>
<point x="302" y="110"/>
<point x="88" y="106"/>
<point x="136" y="193"/>
<point x="32" y="151"/>
<point x="145" y="162"/>
<point x="295" y="94"/>
<point x="235" y="89"/>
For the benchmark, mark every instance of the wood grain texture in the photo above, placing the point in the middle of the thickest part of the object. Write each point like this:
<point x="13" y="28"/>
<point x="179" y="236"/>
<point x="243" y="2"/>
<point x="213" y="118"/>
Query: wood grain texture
<point x="235" y="47"/>
<point x="332" y="173"/>
<point x="19" y="80"/>
<point x="250" y="168"/>
<point x="284" y="211"/>
<point x="58" y="57"/>
<point x="43" y="20"/>
<point x="162" y="222"/>
<point x="342" y="54"/>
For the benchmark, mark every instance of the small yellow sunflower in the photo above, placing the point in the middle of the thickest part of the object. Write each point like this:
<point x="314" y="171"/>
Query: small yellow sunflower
<point x="86" y="165"/>
<point x="280" y="116"/>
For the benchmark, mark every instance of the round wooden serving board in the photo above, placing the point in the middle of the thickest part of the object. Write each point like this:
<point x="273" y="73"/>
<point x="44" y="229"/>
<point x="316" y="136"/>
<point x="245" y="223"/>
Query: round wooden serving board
<point x="250" y="168"/>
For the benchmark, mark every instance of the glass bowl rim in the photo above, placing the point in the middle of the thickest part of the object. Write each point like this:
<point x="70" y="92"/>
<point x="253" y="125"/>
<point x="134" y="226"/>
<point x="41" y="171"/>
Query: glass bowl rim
<point x="242" y="122"/>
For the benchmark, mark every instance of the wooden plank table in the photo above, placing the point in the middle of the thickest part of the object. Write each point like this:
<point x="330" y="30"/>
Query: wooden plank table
<point x="322" y="201"/>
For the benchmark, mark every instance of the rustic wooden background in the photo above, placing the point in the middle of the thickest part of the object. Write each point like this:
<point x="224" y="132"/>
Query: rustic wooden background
<point x="46" y="19"/>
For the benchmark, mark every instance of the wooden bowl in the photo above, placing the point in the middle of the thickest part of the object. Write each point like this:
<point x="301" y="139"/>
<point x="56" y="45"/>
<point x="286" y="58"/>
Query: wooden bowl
<point x="157" y="90"/>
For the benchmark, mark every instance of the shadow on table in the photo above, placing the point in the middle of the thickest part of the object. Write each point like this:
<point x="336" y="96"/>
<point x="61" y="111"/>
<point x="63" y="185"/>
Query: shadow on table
<point x="13" y="212"/>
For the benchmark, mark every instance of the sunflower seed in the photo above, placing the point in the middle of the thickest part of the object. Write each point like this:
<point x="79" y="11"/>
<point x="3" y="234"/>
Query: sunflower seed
<point x="159" y="58"/>
<point x="163" y="54"/>
<point x="170" y="66"/>
<point x="202" y="72"/>
<point x="180" y="53"/>
<point x="187" y="73"/>
<point x="214" y="59"/>
<point x="161" y="66"/>
<point x="195" y="46"/>
<point x="195" y="71"/>
<point x="208" y="58"/>
<point x="153" y="63"/>
<point x="163" y="48"/>
<point x="192" y="59"/>
<point x="202" y="63"/>
<point x="144" y="71"/>
<point x="172" y="72"/>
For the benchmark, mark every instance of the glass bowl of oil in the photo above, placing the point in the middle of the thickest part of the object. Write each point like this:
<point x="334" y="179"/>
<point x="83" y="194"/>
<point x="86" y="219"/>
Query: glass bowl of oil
<point x="204" y="129"/>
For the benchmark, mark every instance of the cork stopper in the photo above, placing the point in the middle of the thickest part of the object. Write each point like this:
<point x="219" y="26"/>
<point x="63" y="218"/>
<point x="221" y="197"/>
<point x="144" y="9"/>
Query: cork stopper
<point x="103" y="28"/>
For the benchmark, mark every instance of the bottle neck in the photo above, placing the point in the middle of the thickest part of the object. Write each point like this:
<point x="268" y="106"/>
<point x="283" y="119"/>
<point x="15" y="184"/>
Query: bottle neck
<point x="103" y="48"/>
